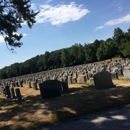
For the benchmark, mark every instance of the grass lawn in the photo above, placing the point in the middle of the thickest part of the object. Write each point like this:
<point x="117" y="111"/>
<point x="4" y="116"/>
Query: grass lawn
<point x="34" y="112"/>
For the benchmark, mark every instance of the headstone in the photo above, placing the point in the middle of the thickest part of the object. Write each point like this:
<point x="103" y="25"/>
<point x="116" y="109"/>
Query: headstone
<point x="69" y="79"/>
<point x="82" y="79"/>
<point x="114" y="75"/>
<point x="103" y="80"/>
<point x="7" y="92"/>
<point x="2" y="90"/>
<point x="12" y="92"/>
<point x="21" y="83"/>
<point x="34" y="85"/>
<point x="18" y="94"/>
<point x="91" y="80"/>
<point x="13" y="84"/>
<point x="50" y="89"/>
<point x="127" y="72"/>
<point x="29" y="84"/>
<point x="16" y="84"/>
<point x="39" y="81"/>
<point x="65" y="84"/>
<point x="119" y="71"/>
<point x="74" y="80"/>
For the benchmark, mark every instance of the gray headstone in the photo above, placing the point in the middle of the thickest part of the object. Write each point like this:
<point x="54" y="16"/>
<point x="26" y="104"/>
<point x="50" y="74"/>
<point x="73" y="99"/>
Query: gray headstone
<point x="103" y="80"/>
<point x="13" y="84"/>
<point x="29" y="84"/>
<point x="65" y="84"/>
<point x="50" y="89"/>
<point x="69" y="79"/>
<point x="82" y="79"/>
<point x="12" y="92"/>
<point x="114" y="75"/>
<point x="2" y="90"/>
<point x="34" y="85"/>
<point x="127" y="72"/>
<point x="21" y="83"/>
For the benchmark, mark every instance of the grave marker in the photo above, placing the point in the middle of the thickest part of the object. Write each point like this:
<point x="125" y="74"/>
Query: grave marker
<point x="103" y="80"/>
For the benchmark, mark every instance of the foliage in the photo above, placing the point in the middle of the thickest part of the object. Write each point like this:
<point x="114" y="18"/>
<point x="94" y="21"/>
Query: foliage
<point x="13" y="13"/>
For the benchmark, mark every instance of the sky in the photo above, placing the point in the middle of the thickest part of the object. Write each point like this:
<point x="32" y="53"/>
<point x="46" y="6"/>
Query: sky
<point x="62" y="23"/>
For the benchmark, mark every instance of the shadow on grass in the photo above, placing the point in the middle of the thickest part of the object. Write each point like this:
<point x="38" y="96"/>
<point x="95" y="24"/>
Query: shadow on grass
<point x="34" y="112"/>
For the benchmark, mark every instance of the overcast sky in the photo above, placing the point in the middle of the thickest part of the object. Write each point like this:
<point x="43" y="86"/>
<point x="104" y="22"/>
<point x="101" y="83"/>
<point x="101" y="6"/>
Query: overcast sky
<point x="62" y="23"/>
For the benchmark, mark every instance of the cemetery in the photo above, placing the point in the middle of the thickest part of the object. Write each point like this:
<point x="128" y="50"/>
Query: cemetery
<point x="48" y="97"/>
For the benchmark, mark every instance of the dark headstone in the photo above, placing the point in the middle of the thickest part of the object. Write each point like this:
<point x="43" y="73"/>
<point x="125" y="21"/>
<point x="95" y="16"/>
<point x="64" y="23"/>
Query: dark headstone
<point x="103" y="80"/>
<point x="18" y="94"/>
<point x="16" y="84"/>
<point x="50" y="89"/>
<point x="7" y="92"/>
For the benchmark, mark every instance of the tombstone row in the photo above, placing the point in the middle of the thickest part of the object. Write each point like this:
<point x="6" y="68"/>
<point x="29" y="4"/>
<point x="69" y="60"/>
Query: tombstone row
<point x="10" y="92"/>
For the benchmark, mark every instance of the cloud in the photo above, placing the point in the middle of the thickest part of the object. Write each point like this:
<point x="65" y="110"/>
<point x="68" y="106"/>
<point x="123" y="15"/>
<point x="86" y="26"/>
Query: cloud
<point x="48" y="1"/>
<point x="100" y="27"/>
<point x="125" y="19"/>
<point x="57" y="15"/>
<point x="118" y="5"/>
<point x="33" y="6"/>
<point x="1" y="39"/>
<point x="120" y="8"/>
<point x="24" y="35"/>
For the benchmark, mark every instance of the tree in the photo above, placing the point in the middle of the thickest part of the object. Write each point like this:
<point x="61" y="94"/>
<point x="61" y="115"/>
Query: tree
<point x="64" y="57"/>
<point x="118" y="35"/>
<point x="126" y="49"/>
<point x="13" y="13"/>
<point x="90" y="53"/>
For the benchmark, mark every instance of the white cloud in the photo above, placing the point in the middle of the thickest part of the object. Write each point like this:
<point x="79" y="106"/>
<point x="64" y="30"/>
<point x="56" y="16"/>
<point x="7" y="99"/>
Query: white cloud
<point x="33" y="6"/>
<point x="118" y="5"/>
<point x="100" y="27"/>
<point x="48" y="1"/>
<point x="125" y="19"/>
<point x="24" y="35"/>
<point x="57" y="15"/>
<point x="1" y="39"/>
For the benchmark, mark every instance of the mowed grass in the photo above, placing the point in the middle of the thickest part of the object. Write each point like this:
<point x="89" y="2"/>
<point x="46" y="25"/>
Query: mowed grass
<point x="34" y="112"/>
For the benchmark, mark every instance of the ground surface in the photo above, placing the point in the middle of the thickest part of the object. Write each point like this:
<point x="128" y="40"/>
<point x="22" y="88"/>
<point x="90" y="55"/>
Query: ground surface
<point x="111" y="119"/>
<point x="33" y="112"/>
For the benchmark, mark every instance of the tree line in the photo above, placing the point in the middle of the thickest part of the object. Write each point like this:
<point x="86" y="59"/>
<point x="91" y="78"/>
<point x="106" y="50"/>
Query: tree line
<point x="117" y="46"/>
